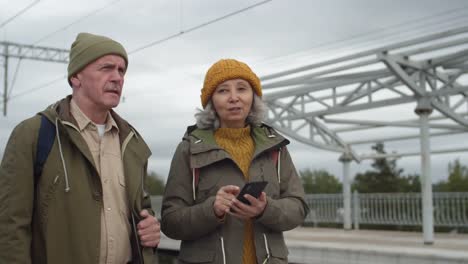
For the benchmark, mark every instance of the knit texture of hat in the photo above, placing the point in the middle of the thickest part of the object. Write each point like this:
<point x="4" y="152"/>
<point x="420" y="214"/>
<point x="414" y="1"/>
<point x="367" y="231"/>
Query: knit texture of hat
<point x="227" y="69"/>
<point x="88" y="47"/>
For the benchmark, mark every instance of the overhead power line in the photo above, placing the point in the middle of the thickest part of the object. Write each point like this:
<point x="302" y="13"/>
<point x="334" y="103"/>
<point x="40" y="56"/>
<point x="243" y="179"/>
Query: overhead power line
<point x="16" y="50"/>
<point x="55" y="80"/>
<point x="136" y="50"/>
<point x="42" y="86"/>
<point x="409" y="27"/>
<point x="19" y="13"/>
<point x="371" y="34"/>
<point x="76" y="21"/>
<point x="14" y="78"/>
<point x="20" y="51"/>
<point x="367" y="42"/>
<point x="154" y="43"/>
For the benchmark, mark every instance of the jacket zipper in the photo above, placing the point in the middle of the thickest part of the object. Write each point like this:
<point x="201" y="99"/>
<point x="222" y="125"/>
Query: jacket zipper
<point x="144" y="194"/>
<point x="137" y="241"/>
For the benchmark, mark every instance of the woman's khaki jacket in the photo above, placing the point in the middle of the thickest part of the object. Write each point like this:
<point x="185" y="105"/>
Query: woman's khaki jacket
<point x="187" y="209"/>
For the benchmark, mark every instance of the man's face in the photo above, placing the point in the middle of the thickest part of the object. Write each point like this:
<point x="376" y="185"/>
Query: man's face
<point x="98" y="86"/>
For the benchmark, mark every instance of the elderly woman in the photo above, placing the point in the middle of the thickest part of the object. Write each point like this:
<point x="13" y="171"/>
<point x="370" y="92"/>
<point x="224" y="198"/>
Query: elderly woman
<point x="227" y="148"/>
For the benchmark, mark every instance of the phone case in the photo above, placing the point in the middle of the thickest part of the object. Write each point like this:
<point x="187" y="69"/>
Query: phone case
<point x="252" y="188"/>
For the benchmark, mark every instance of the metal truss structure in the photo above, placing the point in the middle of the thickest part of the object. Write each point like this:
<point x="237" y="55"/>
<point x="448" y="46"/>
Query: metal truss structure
<point x="431" y="72"/>
<point x="427" y="68"/>
<point x="20" y="51"/>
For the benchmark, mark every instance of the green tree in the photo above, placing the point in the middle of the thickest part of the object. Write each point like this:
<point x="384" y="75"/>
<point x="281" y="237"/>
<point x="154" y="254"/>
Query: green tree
<point x="441" y="186"/>
<point x="386" y="176"/>
<point x="410" y="183"/>
<point x="458" y="177"/>
<point x="319" y="181"/>
<point x="457" y="180"/>
<point x="155" y="183"/>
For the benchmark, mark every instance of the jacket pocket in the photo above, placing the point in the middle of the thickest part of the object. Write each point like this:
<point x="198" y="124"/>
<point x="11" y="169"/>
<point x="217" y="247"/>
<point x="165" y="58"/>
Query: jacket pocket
<point x="201" y="250"/>
<point x="47" y="193"/>
<point x="278" y="249"/>
<point x="207" y="183"/>
<point x="121" y="178"/>
<point x="196" y="255"/>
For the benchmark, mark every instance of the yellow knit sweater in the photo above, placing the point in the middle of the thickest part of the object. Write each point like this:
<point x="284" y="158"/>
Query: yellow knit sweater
<point x="239" y="144"/>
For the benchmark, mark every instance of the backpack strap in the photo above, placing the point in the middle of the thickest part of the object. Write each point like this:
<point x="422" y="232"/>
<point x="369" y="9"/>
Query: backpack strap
<point x="45" y="141"/>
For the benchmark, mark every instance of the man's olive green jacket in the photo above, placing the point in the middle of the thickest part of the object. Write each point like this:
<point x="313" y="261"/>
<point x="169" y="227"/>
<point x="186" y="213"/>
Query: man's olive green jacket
<point x="56" y="219"/>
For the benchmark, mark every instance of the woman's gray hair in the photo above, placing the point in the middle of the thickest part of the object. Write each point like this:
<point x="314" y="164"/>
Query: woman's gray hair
<point x="208" y="119"/>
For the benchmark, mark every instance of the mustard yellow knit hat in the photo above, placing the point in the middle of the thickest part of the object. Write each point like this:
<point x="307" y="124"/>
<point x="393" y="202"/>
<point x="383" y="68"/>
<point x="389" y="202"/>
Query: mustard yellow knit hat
<point x="227" y="69"/>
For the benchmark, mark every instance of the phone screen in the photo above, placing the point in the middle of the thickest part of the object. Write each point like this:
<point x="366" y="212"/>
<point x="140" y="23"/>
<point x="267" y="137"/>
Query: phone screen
<point x="253" y="188"/>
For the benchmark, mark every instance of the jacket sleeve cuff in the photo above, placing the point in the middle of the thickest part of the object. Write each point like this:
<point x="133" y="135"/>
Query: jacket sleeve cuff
<point x="270" y="213"/>
<point x="209" y="212"/>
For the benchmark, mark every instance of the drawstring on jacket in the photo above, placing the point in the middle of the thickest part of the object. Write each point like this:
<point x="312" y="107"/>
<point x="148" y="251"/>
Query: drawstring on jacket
<point x="278" y="167"/>
<point x="267" y="249"/>
<point x="223" y="250"/>
<point x="193" y="184"/>
<point x="67" y="186"/>
<point x="195" y="171"/>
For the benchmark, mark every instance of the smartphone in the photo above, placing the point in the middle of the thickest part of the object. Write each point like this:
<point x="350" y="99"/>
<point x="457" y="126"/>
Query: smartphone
<point x="253" y="188"/>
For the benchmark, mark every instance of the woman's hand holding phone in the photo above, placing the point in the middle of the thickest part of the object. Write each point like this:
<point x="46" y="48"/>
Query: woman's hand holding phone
<point x="250" y="202"/>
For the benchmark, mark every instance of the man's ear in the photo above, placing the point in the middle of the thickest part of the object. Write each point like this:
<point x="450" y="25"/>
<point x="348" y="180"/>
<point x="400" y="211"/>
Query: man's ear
<point x="75" y="81"/>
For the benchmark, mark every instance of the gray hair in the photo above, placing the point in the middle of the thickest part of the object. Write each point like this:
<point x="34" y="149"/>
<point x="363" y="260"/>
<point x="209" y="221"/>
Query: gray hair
<point x="208" y="119"/>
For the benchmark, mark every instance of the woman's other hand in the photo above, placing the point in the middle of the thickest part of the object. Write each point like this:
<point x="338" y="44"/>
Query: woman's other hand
<point x="224" y="200"/>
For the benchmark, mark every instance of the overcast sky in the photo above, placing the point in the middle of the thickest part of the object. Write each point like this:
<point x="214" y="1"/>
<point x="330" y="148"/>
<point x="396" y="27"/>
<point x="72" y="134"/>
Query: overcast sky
<point x="163" y="81"/>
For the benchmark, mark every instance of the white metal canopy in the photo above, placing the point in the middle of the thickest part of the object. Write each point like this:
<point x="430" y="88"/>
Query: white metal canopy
<point x="301" y="100"/>
<point x="431" y="72"/>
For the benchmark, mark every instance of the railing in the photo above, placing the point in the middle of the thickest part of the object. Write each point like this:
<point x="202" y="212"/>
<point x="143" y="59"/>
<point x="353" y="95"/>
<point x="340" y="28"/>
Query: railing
<point x="450" y="209"/>
<point x="325" y="208"/>
<point x="156" y="203"/>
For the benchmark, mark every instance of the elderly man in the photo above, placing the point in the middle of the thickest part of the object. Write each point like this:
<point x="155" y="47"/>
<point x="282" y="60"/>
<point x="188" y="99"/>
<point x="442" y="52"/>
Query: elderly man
<point x="87" y="202"/>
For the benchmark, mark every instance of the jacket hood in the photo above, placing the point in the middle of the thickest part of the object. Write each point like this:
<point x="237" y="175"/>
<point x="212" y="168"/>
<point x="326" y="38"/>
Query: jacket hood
<point x="264" y="136"/>
<point x="61" y="110"/>
<point x="60" y="115"/>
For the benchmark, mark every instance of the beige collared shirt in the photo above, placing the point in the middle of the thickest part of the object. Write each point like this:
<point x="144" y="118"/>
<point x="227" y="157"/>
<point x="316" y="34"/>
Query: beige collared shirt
<point x="115" y="227"/>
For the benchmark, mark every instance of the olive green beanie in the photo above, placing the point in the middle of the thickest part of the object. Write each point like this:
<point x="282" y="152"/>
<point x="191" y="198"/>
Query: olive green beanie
<point x="88" y="47"/>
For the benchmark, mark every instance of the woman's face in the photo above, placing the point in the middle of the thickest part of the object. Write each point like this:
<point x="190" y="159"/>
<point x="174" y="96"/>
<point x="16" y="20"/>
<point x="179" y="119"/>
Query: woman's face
<point x="232" y="101"/>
